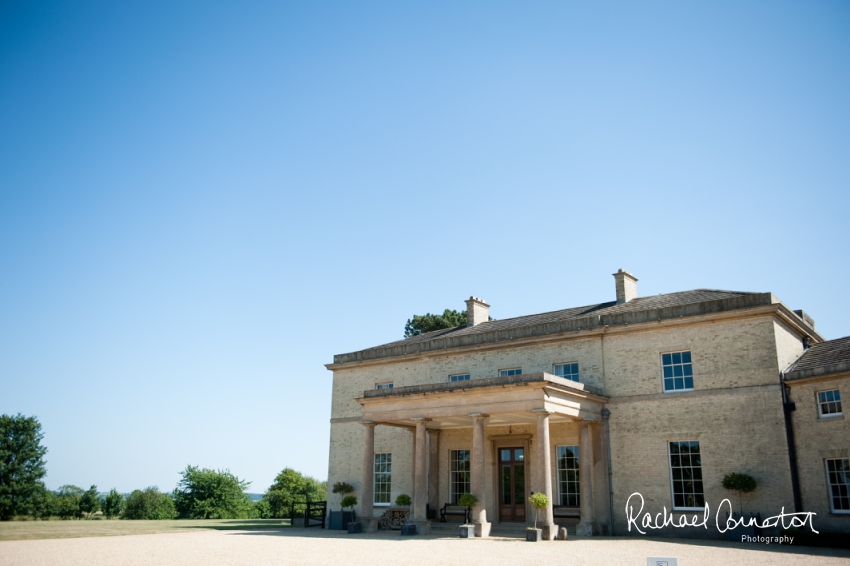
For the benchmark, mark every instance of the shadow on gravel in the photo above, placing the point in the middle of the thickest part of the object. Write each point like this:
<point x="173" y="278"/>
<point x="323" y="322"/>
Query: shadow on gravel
<point x="603" y="542"/>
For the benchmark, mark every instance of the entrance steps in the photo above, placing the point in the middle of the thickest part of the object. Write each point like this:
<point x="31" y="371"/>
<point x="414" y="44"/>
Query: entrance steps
<point x="501" y="530"/>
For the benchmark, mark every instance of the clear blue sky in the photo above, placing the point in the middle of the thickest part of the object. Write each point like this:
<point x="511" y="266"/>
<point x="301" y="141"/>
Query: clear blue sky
<point x="201" y="203"/>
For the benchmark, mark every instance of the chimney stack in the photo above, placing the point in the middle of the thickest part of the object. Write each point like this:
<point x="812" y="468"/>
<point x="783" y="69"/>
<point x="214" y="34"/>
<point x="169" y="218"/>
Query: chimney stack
<point x="477" y="311"/>
<point x="626" y="286"/>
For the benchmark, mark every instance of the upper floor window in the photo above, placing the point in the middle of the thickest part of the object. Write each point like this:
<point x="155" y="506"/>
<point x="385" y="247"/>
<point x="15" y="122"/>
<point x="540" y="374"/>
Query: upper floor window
<point x="384" y="385"/>
<point x="686" y="475"/>
<point x="460" y="471"/>
<point x="678" y="371"/>
<point x="383" y="478"/>
<point x="567" y="371"/>
<point x="568" y="482"/>
<point x="829" y="403"/>
<point x="459" y="377"/>
<point x="510" y="372"/>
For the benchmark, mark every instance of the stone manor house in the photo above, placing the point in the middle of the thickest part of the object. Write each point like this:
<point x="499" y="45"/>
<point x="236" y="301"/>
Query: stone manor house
<point x="660" y="395"/>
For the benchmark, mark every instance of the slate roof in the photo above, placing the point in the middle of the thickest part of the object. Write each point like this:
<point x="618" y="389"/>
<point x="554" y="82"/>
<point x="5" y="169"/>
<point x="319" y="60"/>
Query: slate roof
<point x="832" y="356"/>
<point x="641" y="309"/>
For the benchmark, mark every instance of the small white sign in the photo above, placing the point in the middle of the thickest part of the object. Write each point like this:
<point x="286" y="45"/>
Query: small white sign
<point x="661" y="561"/>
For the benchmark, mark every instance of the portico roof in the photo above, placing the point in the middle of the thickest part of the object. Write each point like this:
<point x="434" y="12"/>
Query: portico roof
<point x="506" y="400"/>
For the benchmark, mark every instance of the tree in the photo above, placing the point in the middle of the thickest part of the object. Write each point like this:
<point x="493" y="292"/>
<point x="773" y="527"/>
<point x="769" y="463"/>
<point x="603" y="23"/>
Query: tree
<point x="539" y="501"/>
<point x="291" y="487"/>
<point x="90" y="502"/>
<point x="113" y="503"/>
<point x="211" y="494"/>
<point x="421" y="324"/>
<point x="742" y="483"/>
<point x="68" y="498"/>
<point x="21" y="465"/>
<point x="149" y="503"/>
<point x="343" y="488"/>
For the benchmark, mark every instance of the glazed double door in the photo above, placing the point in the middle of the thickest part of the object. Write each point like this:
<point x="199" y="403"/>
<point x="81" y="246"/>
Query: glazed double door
<point x="512" y="484"/>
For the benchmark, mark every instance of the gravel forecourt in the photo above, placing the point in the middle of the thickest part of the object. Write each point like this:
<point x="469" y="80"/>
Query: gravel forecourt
<point x="337" y="548"/>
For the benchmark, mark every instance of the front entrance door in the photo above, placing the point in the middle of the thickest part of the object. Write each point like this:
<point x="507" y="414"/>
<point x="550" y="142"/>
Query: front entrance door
<point x="511" y="484"/>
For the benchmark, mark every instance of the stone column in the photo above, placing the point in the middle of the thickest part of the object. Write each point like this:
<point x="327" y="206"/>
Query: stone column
<point x="546" y="516"/>
<point x="478" y="479"/>
<point x="434" y="469"/>
<point x="367" y="520"/>
<point x="585" y="471"/>
<point x="420" y="479"/>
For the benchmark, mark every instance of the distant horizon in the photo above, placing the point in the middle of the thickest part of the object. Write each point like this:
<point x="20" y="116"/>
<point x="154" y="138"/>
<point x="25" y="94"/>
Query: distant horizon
<point x="200" y="204"/>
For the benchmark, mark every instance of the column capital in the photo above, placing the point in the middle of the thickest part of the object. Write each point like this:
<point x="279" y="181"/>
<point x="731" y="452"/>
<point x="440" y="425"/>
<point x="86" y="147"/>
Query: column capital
<point x="418" y="420"/>
<point x="434" y="431"/>
<point x="368" y="423"/>
<point x="542" y="412"/>
<point x="478" y="415"/>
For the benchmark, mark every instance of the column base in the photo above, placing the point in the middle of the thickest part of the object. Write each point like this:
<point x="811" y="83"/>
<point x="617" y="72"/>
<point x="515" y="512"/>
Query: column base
<point x="584" y="530"/>
<point x="482" y="529"/>
<point x="550" y="532"/>
<point x="422" y="527"/>
<point x="370" y="525"/>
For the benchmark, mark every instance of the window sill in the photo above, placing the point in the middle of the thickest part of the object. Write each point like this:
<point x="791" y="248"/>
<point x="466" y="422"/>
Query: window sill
<point x="833" y="417"/>
<point x="687" y="509"/>
<point x="677" y="390"/>
<point x="842" y="514"/>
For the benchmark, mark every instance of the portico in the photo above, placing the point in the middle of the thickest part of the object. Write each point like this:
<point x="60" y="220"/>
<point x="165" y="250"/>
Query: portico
<point x="500" y="463"/>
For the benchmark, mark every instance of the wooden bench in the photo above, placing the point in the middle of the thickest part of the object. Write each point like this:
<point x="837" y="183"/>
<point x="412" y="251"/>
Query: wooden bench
<point x="565" y="512"/>
<point x="458" y="510"/>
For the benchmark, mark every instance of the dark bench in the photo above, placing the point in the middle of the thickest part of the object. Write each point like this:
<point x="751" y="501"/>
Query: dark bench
<point x="565" y="512"/>
<point x="459" y="510"/>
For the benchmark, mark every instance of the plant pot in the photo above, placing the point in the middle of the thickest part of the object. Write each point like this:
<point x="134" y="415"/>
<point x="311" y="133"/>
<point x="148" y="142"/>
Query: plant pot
<point x="408" y="530"/>
<point x="338" y="520"/>
<point x="467" y="531"/>
<point x="354" y="528"/>
<point x="533" y="535"/>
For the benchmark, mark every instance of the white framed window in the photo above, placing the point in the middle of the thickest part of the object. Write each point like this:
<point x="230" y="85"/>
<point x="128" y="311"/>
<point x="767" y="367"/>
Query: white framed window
<point x="459" y="473"/>
<point x="383" y="478"/>
<point x="567" y="371"/>
<point x="384" y="385"/>
<point x="686" y="475"/>
<point x="568" y="483"/>
<point x="838" y="482"/>
<point x="510" y="372"/>
<point x="677" y="371"/>
<point x="829" y="403"/>
<point x="459" y="377"/>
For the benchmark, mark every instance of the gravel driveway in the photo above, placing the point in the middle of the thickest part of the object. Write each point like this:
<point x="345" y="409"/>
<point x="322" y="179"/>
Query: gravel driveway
<point x="335" y="548"/>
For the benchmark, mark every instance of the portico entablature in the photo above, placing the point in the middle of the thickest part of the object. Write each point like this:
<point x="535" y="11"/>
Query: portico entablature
<point x="507" y="400"/>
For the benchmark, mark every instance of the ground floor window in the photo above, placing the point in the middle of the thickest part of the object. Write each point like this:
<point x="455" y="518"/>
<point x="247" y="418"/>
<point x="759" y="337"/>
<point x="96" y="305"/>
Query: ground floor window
<point x="383" y="478"/>
<point x="568" y="484"/>
<point x="686" y="475"/>
<point x="459" y="474"/>
<point x="838" y="479"/>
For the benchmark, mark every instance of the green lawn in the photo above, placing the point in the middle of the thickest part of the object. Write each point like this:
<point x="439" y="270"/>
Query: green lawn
<point x="29" y="530"/>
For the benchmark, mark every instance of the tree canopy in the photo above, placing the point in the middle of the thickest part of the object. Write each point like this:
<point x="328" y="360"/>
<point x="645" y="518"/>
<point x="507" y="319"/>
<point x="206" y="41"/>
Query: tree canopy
<point x="428" y="322"/>
<point x="211" y="494"/>
<point x="291" y="487"/>
<point x="21" y="465"/>
<point x="149" y="503"/>
<point x="113" y="503"/>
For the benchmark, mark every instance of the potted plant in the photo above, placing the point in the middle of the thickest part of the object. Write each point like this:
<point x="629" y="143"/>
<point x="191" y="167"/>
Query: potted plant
<point x="351" y="501"/>
<point x="538" y="501"/>
<point x="404" y="500"/>
<point x="340" y="519"/>
<point x="742" y="483"/>
<point x="467" y="530"/>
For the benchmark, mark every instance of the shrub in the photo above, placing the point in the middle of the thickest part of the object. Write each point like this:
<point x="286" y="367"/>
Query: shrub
<point x="343" y="488"/>
<point x="68" y="499"/>
<point x="212" y="494"/>
<point x="403" y="500"/>
<point x="113" y="503"/>
<point x="467" y="500"/>
<point x="349" y="501"/>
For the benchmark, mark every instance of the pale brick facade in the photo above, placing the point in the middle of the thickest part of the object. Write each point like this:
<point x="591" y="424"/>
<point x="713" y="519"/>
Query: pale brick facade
<point x="739" y="344"/>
